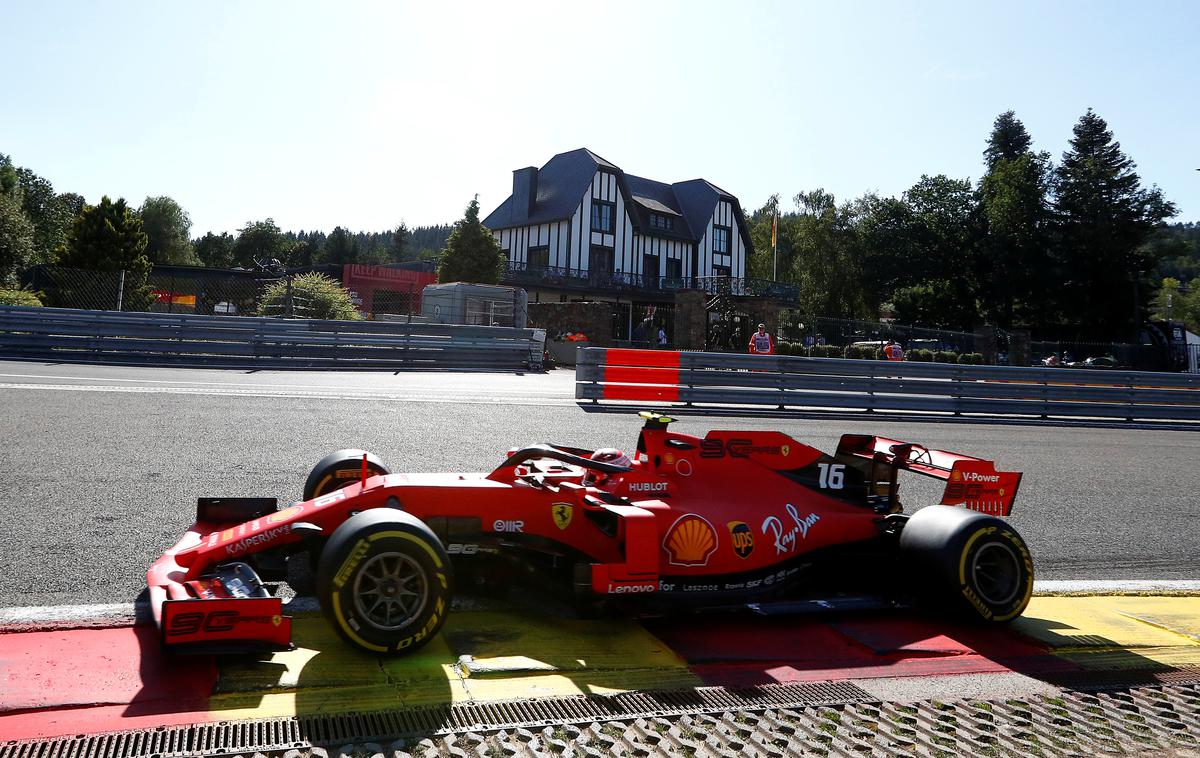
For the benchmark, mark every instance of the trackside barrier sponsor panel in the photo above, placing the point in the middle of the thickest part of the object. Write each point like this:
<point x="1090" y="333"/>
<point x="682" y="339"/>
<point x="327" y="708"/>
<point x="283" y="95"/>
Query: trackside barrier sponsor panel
<point x="788" y="381"/>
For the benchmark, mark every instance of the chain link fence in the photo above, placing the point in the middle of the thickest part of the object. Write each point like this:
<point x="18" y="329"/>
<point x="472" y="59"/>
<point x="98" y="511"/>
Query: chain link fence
<point x="202" y="291"/>
<point x="199" y="291"/>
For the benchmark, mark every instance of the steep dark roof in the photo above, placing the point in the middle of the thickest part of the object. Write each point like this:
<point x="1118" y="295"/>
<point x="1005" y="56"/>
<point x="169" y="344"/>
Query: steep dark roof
<point x="566" y="176"/>
<point x="561" y="183"/>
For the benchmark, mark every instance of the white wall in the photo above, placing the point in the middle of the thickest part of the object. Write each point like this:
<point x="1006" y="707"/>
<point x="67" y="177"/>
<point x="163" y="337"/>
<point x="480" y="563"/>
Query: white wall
<point x="723" y="215"/>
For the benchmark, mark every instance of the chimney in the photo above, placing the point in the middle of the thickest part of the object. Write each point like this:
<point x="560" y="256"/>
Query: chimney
<point x="524" y="193"/>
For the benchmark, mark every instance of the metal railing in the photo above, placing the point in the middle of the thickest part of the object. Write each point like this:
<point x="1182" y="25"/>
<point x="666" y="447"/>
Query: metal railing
<point x="523" y="273"/>
<point x="59" y="334"/>
<point x="864" y="385"/>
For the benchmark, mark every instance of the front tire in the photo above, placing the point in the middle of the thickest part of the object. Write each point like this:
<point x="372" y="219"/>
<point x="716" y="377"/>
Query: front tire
<point x="340" y="469"/>
<point x="978" y="562"/>
<point x="385" y="582"/>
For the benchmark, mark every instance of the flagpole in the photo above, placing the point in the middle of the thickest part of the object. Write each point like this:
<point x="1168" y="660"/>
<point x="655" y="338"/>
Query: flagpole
<point x="775" y="244"/>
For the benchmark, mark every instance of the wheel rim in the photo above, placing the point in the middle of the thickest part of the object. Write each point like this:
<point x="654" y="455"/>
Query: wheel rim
<point x="996" y="573"/>
<point x="390" y="591"/>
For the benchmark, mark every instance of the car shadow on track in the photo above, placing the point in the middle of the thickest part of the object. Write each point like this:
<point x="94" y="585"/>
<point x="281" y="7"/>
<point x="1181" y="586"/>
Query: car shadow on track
<point x="494" y="655"/>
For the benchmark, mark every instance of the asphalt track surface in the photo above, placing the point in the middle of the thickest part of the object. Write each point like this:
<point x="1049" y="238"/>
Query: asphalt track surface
<point x="100" y="466"/>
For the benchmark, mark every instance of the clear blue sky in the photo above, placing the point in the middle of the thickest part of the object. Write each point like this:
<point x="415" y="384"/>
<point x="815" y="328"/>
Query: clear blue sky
<point x="319" y="114"/>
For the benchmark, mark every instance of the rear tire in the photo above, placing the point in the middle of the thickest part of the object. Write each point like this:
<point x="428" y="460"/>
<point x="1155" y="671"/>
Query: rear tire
<point x="385" y="582"/>
<point x="979" y="564"/>
<point x="340" y="469"/>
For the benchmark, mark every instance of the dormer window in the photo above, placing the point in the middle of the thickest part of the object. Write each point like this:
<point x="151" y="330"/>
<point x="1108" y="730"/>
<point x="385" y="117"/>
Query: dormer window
<point x="659" y="221"/>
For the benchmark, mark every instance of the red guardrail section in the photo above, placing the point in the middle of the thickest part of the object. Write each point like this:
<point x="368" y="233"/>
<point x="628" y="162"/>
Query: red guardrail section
<point x="641" y="374"/>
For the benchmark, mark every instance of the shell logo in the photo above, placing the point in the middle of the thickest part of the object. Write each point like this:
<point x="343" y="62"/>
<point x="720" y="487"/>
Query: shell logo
<point x="956" y="476"/>
<point x="690" y="541"/>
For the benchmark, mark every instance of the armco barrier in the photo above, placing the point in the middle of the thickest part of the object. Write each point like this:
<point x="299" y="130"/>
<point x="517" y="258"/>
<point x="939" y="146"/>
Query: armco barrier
<point x="61" y="334"/>
<point x="787" y="381"/>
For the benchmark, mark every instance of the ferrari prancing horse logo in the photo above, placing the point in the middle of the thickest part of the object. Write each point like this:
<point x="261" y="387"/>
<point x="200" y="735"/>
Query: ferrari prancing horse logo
<point x="562" y="514"/>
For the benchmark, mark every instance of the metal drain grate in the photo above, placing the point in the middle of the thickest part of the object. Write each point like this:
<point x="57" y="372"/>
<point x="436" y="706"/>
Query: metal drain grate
<point x="434" y="721"/>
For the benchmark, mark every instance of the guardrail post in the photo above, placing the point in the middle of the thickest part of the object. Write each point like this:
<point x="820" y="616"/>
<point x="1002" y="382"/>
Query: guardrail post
<point x="871" y="388"/>
<point x="1132" y="395"/>
<point x="958" y="379"/>
<point x="780" y="375"/>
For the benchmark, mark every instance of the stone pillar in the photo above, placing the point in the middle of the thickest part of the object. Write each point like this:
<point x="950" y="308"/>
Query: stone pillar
<point x="691" y="319"/>
<point x="1019" y="348"/>
<point x="985" y="343"/>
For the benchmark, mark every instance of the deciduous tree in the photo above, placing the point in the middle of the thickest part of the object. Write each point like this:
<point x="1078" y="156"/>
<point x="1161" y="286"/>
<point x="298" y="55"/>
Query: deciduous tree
<point x="262" y="241"/>
<point x="16" y="239"/>
<point x="215" y="251"/>
<point x="167" y="226"/>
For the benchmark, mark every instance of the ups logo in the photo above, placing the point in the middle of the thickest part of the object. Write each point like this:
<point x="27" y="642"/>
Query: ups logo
<point x="742" y="538"/>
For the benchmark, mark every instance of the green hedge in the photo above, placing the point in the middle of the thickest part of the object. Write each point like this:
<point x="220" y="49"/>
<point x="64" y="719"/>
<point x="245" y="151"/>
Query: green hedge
<point x="919" y="355"/>
<point x="15" y="296"/>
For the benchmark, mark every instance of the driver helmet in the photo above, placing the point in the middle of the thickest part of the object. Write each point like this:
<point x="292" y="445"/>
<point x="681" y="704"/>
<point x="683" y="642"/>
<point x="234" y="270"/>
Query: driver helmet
<point x="605" y="455"/>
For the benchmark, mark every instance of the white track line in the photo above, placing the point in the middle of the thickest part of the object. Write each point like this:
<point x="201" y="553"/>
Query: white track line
<point x="108" y="614"/>
<point x="1114" y="586"/>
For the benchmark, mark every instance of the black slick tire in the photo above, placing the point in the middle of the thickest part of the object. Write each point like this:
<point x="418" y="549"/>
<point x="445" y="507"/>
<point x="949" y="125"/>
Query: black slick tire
<point x="385" y="582"/>
<point x="977" y="565"/>
<point x="339" y="469"/>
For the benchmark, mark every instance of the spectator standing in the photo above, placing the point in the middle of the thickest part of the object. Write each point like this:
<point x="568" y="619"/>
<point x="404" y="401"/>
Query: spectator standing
<point x="662" y="337"/>
<point x="892" y="351"/>
<point x="761" y="342"/>
<point x="640" y="334"/>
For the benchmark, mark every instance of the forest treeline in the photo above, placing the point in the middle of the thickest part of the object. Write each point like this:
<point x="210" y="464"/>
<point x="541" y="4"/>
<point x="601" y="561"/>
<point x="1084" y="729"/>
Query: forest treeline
<point x="1077" y="245"/>
<point x="39" y="225"/>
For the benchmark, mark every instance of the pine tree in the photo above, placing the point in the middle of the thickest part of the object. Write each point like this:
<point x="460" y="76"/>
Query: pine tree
<point x="1015" y="266"/>
<point x="341" y="247"/>
<point x="109" y="237"/>
<point x="400" y="242"/>
<point x="1106" y="217"/>
<point x="472" y="253"/>
<point x="1008" y="140"/>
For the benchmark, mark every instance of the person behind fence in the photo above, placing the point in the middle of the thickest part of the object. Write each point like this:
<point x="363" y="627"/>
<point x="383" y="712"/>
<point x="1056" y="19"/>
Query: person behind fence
<point x="662" y="337"/>
<point x="641" y="332"/>
<point x="761" y="342"/>
<point x="892" y="351"/>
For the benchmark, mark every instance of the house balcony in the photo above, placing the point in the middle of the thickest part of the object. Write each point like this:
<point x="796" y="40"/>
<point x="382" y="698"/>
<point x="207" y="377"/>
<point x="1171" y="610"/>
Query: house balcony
<point x="523" y="275"/>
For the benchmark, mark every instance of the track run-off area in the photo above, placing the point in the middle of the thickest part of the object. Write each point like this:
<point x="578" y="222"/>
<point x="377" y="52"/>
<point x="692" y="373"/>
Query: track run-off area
<point x="101" y="467"/>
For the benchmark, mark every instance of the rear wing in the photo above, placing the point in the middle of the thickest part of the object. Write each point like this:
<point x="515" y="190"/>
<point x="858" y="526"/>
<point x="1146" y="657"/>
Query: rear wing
<point x="971" y="482"/>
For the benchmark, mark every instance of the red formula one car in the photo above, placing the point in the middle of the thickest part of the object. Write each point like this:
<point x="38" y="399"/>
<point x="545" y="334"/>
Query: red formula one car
<point x="728" y="520"/>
